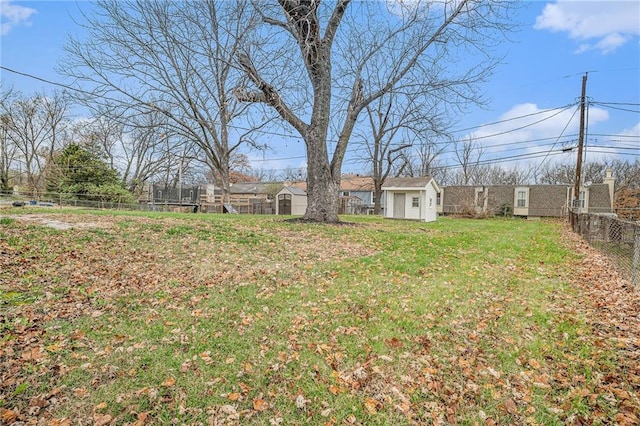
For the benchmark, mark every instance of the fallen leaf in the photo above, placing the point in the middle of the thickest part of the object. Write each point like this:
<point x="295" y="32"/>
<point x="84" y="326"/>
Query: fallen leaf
<point x="393" y="343"/>
<point x="80" y="392"/>
<point x="228" y="409"/>
<point x="206" y="357"/>
<point x="335" y="389"/>
<point x="169" y="382"/>
<point x="142" y="418"/>
<point x="60" y="422"/>
<point x="301" y="402"/>
<point x="234" y="396"/>
<point x="33" y="354"/>
<point x="371" y="405"/>
<point x="260" y="405"/>
<point x="102" y="420"/>
<point x="493" y="372"/>
<point x="510" y="406"/>
<point x="7" y="416"/>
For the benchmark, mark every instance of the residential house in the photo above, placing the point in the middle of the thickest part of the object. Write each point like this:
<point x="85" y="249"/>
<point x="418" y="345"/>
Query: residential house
<point x="253" y="197"/>
<point x="526" y="200"/>
<point x="411" y="198"/>
<point x="356" y="194"/>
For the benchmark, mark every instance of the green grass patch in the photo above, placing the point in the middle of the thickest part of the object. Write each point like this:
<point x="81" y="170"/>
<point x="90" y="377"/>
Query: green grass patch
<point x="6" y="221"/>
<point x="249" y="319"/>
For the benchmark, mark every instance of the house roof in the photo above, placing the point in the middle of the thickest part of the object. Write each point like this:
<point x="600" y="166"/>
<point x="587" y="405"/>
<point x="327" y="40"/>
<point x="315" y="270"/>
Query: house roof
<point x="356" y="183"/>
<point x="347" y="183"/>
<point x="407" y="182"/>
<point x="251" y="188"/>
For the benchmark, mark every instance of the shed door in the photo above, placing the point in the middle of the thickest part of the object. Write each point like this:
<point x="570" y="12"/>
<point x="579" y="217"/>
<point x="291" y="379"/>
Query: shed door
<point x="398" y="205"/>
<point x="284" y="204"/>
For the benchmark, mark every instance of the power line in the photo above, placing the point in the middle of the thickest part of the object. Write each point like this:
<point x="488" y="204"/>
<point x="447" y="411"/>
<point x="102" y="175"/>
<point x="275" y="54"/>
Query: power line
<point x="614" y="135"/>
<point x="54" y="83"/>
<point x="563" y="108"/>
<point x="236" y="127"/>
<point x="621" y="109"/>
<point x="554" y="144"/>
<point x="617" y="103"/>
<point x="546" y="154"/>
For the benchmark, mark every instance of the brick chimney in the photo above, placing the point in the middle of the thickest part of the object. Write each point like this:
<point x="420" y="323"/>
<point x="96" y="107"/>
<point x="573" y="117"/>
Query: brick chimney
<point x="610" y="180"/>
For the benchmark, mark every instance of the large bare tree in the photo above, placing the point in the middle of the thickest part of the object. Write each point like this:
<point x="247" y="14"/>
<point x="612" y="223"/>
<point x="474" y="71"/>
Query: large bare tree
<point x="36" y="127"/>
<point x="175" y="59"/>
<point x="8" y="150"/>
<point x="470" y="166"/>
<point x="340" y="46"/>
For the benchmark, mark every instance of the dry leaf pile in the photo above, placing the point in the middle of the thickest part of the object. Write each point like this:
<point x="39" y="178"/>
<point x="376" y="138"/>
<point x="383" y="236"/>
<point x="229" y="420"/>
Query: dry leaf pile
<point x="68" y="298"/>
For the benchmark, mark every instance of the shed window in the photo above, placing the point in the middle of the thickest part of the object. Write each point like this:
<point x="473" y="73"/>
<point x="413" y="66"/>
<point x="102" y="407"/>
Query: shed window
<point x="521" y="200"/>
<point x="159" y="194"/>
<point x="438" y="199"/>
<point x="415" y="202"/>
<point x="581" y="200"/>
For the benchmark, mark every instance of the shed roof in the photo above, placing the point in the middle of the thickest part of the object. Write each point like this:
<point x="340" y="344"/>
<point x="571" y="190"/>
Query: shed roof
<point x="294" y="191"/>
<point x="407" y="182"/>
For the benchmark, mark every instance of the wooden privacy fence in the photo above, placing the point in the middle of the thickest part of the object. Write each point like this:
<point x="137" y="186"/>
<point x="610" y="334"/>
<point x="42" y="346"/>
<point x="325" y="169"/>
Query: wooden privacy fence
<point x="616" y="238"/>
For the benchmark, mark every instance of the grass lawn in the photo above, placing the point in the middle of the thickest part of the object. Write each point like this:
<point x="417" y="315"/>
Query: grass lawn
<point x="225" y="319"/>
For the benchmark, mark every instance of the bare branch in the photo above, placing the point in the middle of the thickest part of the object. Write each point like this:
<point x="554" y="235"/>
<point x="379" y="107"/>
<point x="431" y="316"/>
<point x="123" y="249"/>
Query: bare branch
<point x="268" y="94"/>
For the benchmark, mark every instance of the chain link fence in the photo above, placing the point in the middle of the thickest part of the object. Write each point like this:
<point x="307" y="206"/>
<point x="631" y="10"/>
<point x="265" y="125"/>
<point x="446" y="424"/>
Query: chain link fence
<point x="618" y="239"/>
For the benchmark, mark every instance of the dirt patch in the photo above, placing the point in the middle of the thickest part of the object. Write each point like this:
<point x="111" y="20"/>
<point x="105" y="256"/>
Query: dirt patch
<point x="70" y="222"/>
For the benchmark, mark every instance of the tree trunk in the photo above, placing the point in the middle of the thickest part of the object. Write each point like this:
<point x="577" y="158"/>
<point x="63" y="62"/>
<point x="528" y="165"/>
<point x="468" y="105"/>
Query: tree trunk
<point x="322" y="189"/>
<point x="377" y="191"/>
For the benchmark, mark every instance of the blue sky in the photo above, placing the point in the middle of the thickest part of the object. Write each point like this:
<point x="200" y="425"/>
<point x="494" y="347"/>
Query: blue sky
<point x="542" y="69"/>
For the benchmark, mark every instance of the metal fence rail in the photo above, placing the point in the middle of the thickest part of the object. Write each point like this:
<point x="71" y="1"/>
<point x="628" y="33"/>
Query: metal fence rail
<point x="247" y="205"/>
<point x="618" y="239"/>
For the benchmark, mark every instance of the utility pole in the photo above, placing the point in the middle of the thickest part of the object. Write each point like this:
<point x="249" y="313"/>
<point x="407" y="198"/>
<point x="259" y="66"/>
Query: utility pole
<point x="576" y="187"/>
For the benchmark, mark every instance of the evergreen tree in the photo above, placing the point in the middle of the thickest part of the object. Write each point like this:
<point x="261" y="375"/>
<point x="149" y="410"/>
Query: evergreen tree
<point x="80" y="173"/>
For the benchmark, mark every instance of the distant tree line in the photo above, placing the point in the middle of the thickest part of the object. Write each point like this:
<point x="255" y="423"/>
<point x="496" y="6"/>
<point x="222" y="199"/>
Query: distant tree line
<point x="43" y="150"/>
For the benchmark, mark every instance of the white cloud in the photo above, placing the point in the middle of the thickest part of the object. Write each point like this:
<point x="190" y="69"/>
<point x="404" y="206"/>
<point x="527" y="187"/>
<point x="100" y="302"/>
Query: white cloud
<point x="14" y="15"/>
<point x="634" y="131"/>
<point x="599" y="25"/>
